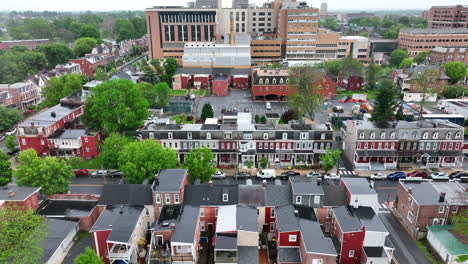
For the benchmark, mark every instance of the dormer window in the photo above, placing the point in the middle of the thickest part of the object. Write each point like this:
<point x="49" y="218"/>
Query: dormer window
<point x="189" y="135"/>
<point x="225" y="197"/>
<point x="448" y="135"/>
<point x="208" y="135"/>
<point x="287" y="80"/>
<point x="274" y="81"/>
<point x="304" y="135"/>
<point x="372" y="135"/>
<point x="285" y="135"/>
<point x="169" y="135"/>
<point x="265" y="135"/>
<point x="260" y="81"/>
<point x="281" y="81"/>
<point x="425" y="135"/>
<point x="361" y="135"/>
<point x="458" y="135"/>
<point x="414" y="134"/>
<point x="435" y="135"/>
<point x="392" y="135"/>
<point x="267" y="81"/>
<point x="382" y="135"/>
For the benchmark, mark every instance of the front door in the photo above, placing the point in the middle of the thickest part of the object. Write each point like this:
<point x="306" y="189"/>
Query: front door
<point x="160" y="240"/>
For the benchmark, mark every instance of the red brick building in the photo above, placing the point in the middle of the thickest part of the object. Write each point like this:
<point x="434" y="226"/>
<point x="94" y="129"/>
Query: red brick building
<point x="448" y="17"/>
<point x="351" y="83"/>
<point x="26" y="197"/>
<point x="30" y="43"/>
<point x="21" y="95"/>
<point x="326" y="86"/>
<point x="89" y="64"/>
<point x="441" y="55"/>
<point x="220" y="85"/>
<point x="270" y="84"/>
<point x="422" y="203"/>
<point x="217" y="79"/>
<point x="168" y="188"/>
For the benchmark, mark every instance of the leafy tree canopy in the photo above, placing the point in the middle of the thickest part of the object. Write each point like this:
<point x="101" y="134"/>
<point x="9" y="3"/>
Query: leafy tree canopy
<point x="207" y="111"/>
<point x="111" y="147"/>
<point x="55" y="54"/>
<point x="60" y="87"/>
<point x="8" y="117"/>
<point x="88" y="257"/>
<point x="6" y="173"/>
<point x="307" y="100"/>
<point x="83" y="46"/>
<point x="385" y="102"/>
<point x="199" y="164"/>
<point x="397" y="56"/>
<point x="329" y="159"/>
<point x="456" y="70"/>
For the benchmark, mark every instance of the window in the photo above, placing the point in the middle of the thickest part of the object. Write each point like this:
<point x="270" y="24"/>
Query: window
<point x="168" y="199"/>
<point x="272" y="212"/>
<point x="435" y="221"/>
<point x="435" y="135"/>
<point x="265" y="135"/>
<point x="202" y="212"/>
<point x="425" y="135"/>
<point x="304" y="135"/>
<point x="317" y="261"/>
<point x="458" y="135"/>
<point x="455" y="209"/>
<point x="298" y="199"/>
<point x="225" y="197"/>
<point x="322" y="136"/>
<point x="208" y="135"/>
<point x="292" y="238"/>
<point x="448" y="135"/>
<point x="410" y="216"/>
<point x="260" y="81"/>
<point x="189" y="135"/>
<point x="351" y="253"/>
<point x="169" y="135"/>
<point x="316" y="199"/>
<point x="158" y="198"/>
<point x="382" y="135"/>
<point x="272" y="227"/>
<point x="441" y="209"/>
<point x="392" y="135"/>
<point x="147" y="211"/>
<point x="329" y="213"/>
<point x="248" y="136"/>
<point x="274" y="81"/>
<point x="281" y="81"/>
<point x="176" y="198"/>
<point x="151" y="135"/>
<point x="267" y="81"/>
<point x="285" y="135"/>
<point x="361" y="135"/>
<point x="372" y="135"/>
<point x="228" y="135"/>
<point x="216" y="212"/>
<point x="23" y="141"/>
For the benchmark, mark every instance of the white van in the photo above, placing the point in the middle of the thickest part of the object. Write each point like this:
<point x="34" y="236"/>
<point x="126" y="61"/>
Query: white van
<point x="268" y="105"/>
<point x="266" y="174"/>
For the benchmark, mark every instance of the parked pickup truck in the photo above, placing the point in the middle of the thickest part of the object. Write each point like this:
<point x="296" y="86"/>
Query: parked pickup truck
<point x="266" y="174"/>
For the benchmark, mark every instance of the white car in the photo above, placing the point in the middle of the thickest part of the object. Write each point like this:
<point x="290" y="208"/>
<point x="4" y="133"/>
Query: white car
<point x="439" y="176"/>
<point x="377" y="176"/>
<point x="11" y="132"/>
<point x="218" y="175"/>
<point x="99" y="173"/>
<point x="268" y="106"/>
<point x="313" y="174"/>
<point x="331" y="176"/>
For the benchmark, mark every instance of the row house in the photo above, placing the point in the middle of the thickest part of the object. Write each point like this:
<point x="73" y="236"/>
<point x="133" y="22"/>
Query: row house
<point x="350" y="83"/>
<point x="360" y="193"/>
<point x="14" y="195"/>
<point x="168" y="188"/>
<point x="234" y="145"/>
<point x="28" y="43"/>
<point x="334" y="196"/>
<point x="21" y="95"/>
<point x="90" y="63"/>
<point x="361" y="235"/>
<point x="300" y="239"/>
<point x="397" y="144"/>
<point x="420" y="204"/>
<point x="273" y="84"/>
<point x="439" y="55"/>
<point x="57" y="132"/>
<point x="216" y="79"/>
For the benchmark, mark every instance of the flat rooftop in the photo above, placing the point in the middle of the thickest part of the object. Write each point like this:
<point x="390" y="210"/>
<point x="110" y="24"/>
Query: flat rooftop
<point x="66" y="208"/>
<point x="46" y="118"/>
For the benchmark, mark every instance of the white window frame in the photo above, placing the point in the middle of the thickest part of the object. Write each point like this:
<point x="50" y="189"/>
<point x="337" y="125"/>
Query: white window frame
<point x="158" y="198"/>
<point x="292" y="238"/>
<point x="189" y="135"/>
<point x="285" y="136"/>
<point x="272" y="213"/>
<point x="435" y="135"/>
<point x="151" y="135"/>
<point x="298" y="199"/>
<point x="167" y="199"/>
<point x="435" y="221"/>
<point x="351" y="253"/>
<point x="202" y="226"/>
<point x="272" y="226"/>
<point x="265" y="135"/>
<point x="202" y="212"/>
<point x="170" y="135"/>
<point x="448" y="135"/>
<point x="361" y="135"/>
<point x="392" y="135"/>
<point x="208" y="135"/>
<point x="372" y="135"/>
<point x="316" y="199"/>
<point x="227" y="135"/>
<point x="382" y="135"/>
<point x="176" y="198"/>
<point x="410" y="216"/>
<point x="225" y="197"/>
<point x="441" y="209"/>
<point x="425" y="135"/>
<point x="216" y="212"/>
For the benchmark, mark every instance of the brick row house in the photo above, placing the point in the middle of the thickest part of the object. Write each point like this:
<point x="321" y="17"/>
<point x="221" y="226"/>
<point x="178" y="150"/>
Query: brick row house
<point x="26" y="197"/>
<point x="235" y="144"/>
<point x="21" y="95"/>
<point x="402" y="144"/>
<point x="58" y="132"/>
<point x="420" y="204"/>
<point x="268" y="84"/>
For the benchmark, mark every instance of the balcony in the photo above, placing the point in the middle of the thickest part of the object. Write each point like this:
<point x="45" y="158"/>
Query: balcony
<point x="121" y="251"/>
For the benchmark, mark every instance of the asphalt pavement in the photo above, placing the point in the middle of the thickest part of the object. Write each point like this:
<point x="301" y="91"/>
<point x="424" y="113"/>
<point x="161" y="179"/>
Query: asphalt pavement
<point x="92" y="185"/>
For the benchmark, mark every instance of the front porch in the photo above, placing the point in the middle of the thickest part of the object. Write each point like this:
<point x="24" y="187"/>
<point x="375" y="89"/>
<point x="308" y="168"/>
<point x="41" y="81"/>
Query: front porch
<point x="375" y="160"/>
<point x="432" y="160"/>
<point x="121" y="253"/>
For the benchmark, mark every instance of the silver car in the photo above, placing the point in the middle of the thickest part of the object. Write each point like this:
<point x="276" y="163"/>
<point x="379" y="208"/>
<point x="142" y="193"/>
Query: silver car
<point x="439" y="176"/>
<point x="378" y="176"/>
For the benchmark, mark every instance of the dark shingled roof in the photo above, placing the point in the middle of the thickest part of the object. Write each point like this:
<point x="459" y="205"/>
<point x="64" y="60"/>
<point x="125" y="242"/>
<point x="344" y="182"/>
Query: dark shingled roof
<point x="358" y="186"/>
<point x="335" y="194"/>
<point x="286" y="219"/>
<point x="307" y="186"/>
<point x="170" y="180"/>
<point x="247" y="255"/>
<point x="347" y="221"/>
<point x="120" y="219"/>
<point x="246" y="219"/>
<point x="126" y="194"/>
<point x="252" y="195"/>
<point x="313" y="238"/>
<point x="289" y="255"/>
<point x="226" y="241"/>
<point x="203" y="194"/>
<point x="185" y="229"/>
<point x="57" y="230"/>
<point x="21" y="193"/>
<point x="369" y="219"/>
<point x="277" y="195"/>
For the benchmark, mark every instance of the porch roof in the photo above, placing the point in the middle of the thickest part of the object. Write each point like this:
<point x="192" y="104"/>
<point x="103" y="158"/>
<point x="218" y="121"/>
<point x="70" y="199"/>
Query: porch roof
<point x="377" y="153"/>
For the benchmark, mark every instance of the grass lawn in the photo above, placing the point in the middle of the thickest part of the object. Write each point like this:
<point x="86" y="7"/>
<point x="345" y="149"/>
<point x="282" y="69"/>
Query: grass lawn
<point x="201" y="92"/>
<point x="178" y="92"/>
<point x="370" y="94"/>
<point x="182" y="119"/>
<point x="421" y="244"/>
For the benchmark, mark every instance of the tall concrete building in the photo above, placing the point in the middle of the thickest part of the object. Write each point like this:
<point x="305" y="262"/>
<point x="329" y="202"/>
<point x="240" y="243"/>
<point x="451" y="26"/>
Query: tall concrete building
<point x="448" y="17"/>
<point x="416" y="40"/>
<point x="262" y="19"/>
<point x="208" y="4"/>
<point x="240" y="3"/>
<point x="324" y="7"/>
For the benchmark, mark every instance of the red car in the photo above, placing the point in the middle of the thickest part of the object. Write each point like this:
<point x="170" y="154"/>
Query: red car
<point x="421" y="174"/>
<point x="81" y="172"/>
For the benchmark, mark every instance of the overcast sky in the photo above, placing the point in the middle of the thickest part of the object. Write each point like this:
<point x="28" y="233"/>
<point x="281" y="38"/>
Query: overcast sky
<point x="105" y="5"/>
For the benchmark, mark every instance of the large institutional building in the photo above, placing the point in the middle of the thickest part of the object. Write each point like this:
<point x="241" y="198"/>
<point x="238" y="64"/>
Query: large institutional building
<point x="448" y="17"/>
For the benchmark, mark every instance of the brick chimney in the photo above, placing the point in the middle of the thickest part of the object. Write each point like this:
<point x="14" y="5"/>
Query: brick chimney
<point x="210" y="183"/>
<point x="442" y="197"/>
<point x="11" y="193"/>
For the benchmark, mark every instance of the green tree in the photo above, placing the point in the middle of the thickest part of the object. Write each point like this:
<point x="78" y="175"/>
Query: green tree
<point x="116" y="106"/>
<point x="263" y="120"/>
<point x="207" y="111"/>
<point x="288" y="116"/>
<point x="170" y="67"/>
<point x="332" y="67"/>
<point x="406" y="63"/>
<point x="461" y="258"/>
<point x="330" y="23"/>
<point x="257" y="119"/>
<point x="88" y="257"/>
<point x="150" y="76"/>
<point x="38" y="28"/>
<point x="329" y="159"/>
<point x="455" y="91"/>
<point x="460" y="220"/>
<point x="307" y="99"/>
<point x="8" y="117"/>
<point x="455" y="70"/>
<point x="421" y="57"/>
<point x="352" y="66"/>
<point x="372" y="74"/>
<point x="6" y="173"/>
<point x="397" y="56"/>
<point x="163" y="95"/>
<point x="249" y="164"/>
<point x="90" y="31"/>
<point x="140" y="160"/>
<point x="199" y="164"/>
<point x="11" y="143"/>
<point x="399" y="114"/>
<point x="21" y="234"/>
<point x="125" y="30"/>
<point x="364" y="34"/>
<point x="35" y="61"/>
<point x="263" y="163"/>
<point x="111" y="147"/>
<point x="50" y="173"/>
<point x="149" y="92"/>
<point x="156" y="63"/>
<point x="59" y="87"/>
<point x="385" y="102"/>
<point x="55" y="54"/>
<point x="427" y="85"/>
<point x="83" y="46"/>
<point x="19" y="48"/>
<point x="391" y="34"/>
<point x="100" y="74"/>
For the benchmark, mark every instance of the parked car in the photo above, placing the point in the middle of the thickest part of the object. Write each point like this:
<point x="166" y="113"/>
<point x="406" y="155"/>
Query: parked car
<point x="313" y="174"/>
<point x="378" y="176"/>
<point x="100" y="173"/>
<point x="458" y="174"/>
<point x="421" y="174"/>
<point x="81" y="172"/>
<point x="331" y="176"/>
<point x="266" y="174"/>
<point x="242" y="175"/>
<point x="286" y="174"/>
<point x="218" y="175"/>
<point x="440" y="176"/>
<point x="268" y="105"/>
<point x="10" y="132"/>
<point x="116" y="174"/>
<point x="396" y="175"/>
